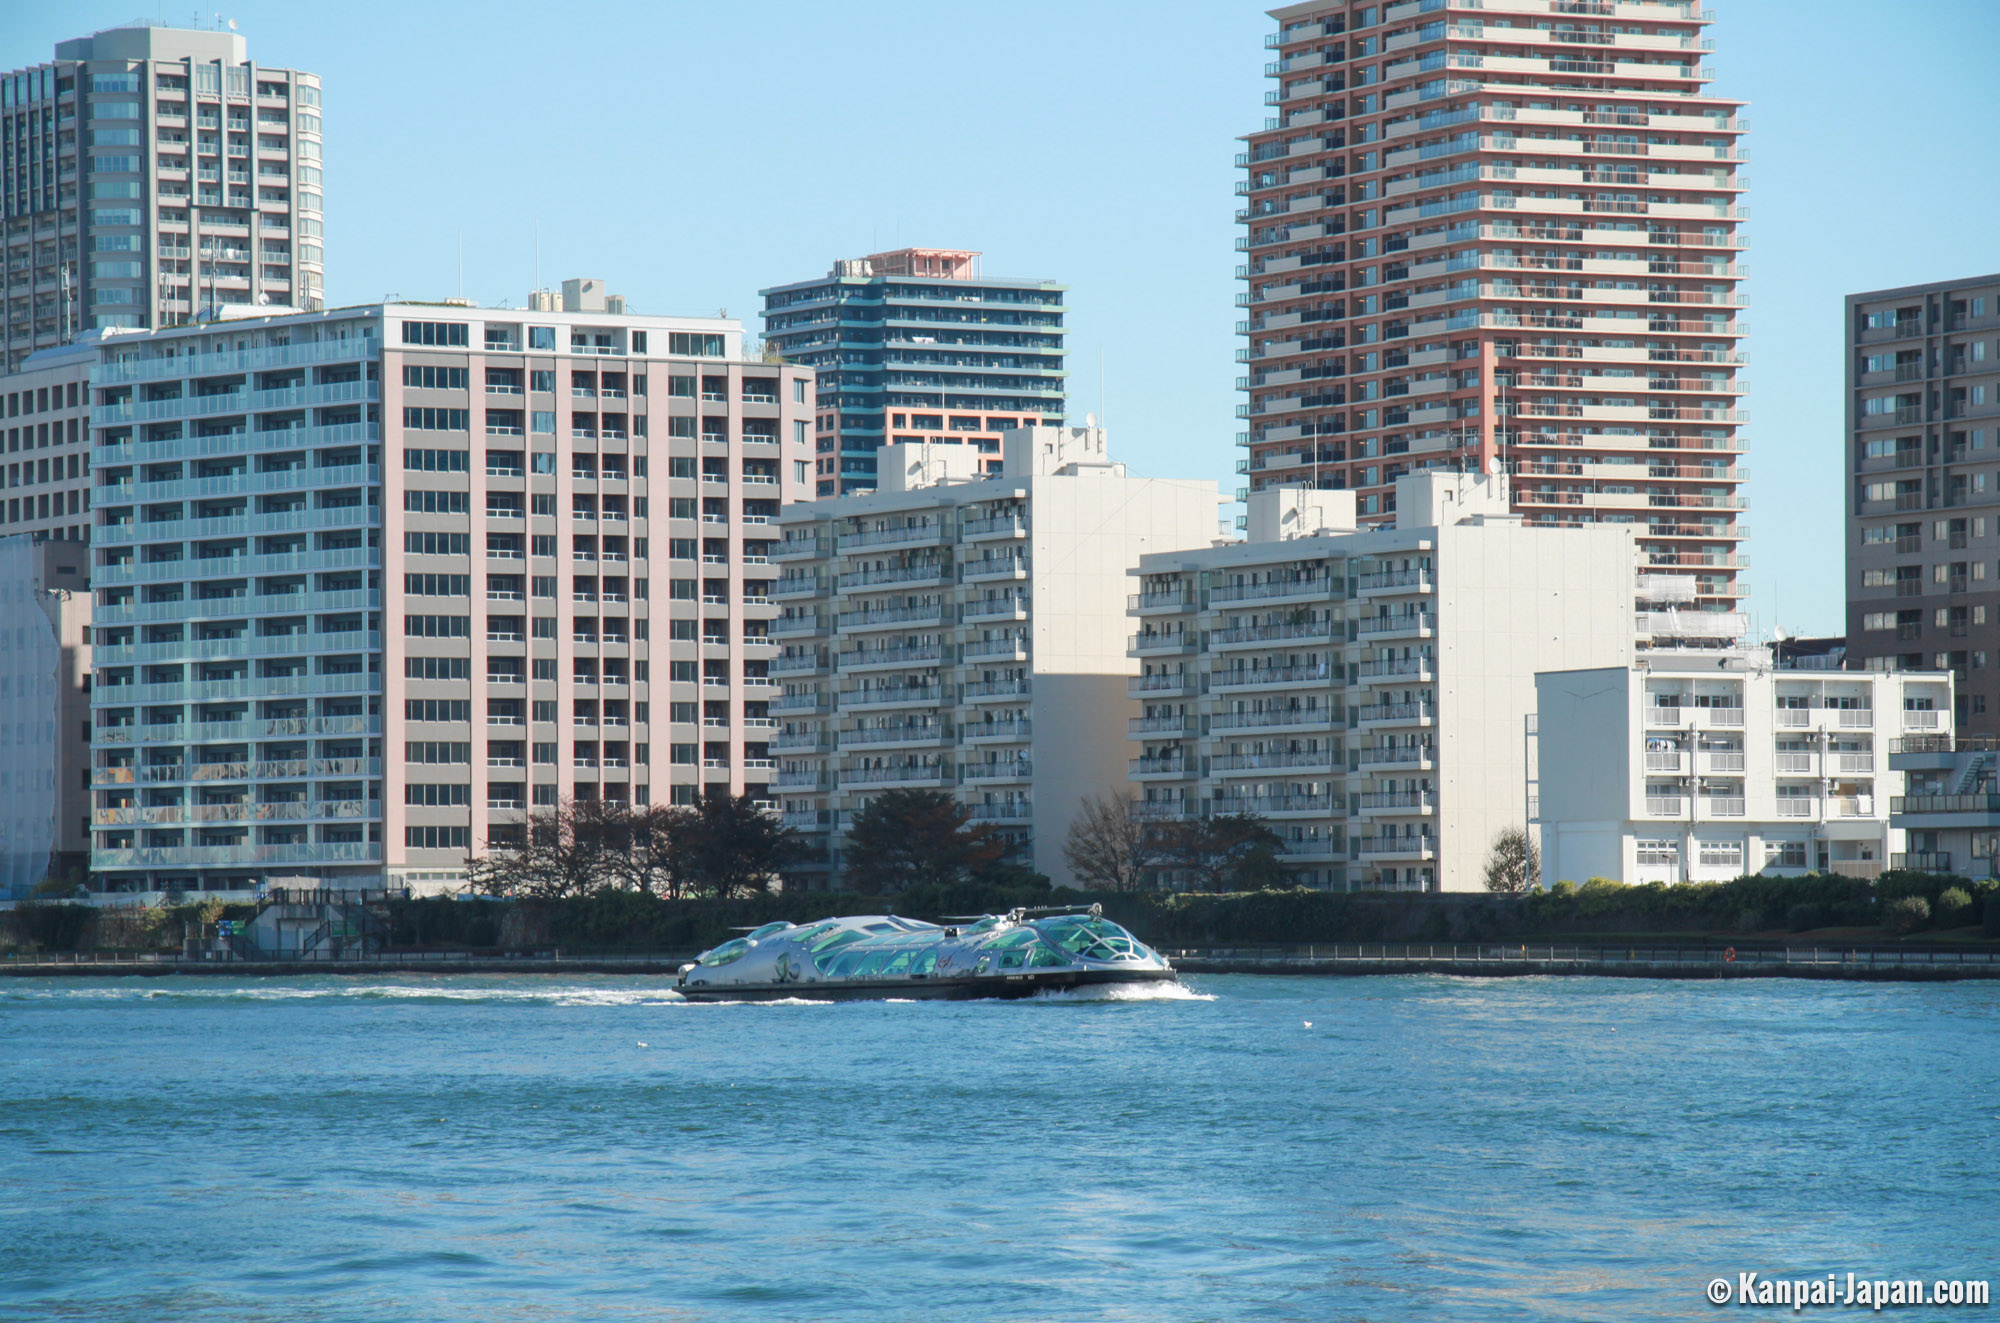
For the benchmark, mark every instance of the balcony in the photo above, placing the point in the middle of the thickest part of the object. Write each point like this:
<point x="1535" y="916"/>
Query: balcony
<point x="994" y="691"/>
<point x="1161" y="769"/>
<point x="1399" y="755"/>
<point x="1160" y="727"/>
<point x="1286" y="590"/>
<point x="1260" y="677"/>
<point x="1275" y="719"/>
<point x="1415" y="625"/>
<point x="1398" y="803"/>
<point x="1154" y="645"/>
<point x="1325" y="761"/>
<point x="908" y="535"/>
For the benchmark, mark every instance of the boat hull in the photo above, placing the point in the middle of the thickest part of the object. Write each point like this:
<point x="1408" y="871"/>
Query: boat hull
<point x="968" y="988"/>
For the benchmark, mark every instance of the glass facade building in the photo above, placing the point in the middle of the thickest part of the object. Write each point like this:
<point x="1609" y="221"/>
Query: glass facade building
<point x="916" y="346"/>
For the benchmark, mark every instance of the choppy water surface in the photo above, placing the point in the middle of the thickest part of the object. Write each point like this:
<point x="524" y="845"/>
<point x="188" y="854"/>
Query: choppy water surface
<point x="590" y="1148"/>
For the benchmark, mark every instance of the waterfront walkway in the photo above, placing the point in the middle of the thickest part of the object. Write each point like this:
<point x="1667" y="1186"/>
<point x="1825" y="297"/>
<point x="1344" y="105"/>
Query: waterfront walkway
<point x="1485" y="959"/>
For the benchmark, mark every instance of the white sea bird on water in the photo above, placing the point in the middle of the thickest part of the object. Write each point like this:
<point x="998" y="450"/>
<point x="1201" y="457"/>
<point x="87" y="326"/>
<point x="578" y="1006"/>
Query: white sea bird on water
<point x="642" y="1045"/>
<point x="1309" y="1024"/>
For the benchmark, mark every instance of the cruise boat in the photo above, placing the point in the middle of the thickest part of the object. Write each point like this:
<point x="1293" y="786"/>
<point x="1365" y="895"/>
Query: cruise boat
<point x="881" y="955"/>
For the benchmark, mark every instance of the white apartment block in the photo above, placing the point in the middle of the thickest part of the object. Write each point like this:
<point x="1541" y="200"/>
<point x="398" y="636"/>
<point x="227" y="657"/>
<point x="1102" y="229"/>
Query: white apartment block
<point x="1365" y="691"/>
<point x="965" y="633"/>
<point x="373" y="583"/>
<point x="149" y="175"/>
<point x="1702" y="768"/>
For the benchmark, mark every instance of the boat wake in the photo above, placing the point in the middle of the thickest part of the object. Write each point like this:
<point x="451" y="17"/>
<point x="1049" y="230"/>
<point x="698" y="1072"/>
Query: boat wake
<point x="1126" y="992"/>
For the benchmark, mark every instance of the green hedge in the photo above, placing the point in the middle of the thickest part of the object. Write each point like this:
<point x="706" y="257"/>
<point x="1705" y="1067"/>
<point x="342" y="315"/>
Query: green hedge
<point x="628" y="922"/>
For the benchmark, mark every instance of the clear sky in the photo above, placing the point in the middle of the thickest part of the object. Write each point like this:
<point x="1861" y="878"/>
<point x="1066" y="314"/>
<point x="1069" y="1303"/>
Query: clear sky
<point x="694" y="153"/>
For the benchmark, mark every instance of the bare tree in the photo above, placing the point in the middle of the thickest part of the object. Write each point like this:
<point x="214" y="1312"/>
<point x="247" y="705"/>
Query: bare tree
<point x="566" y="850"/>
<point x="1514" y="863"/>
<point x="1105" y="847"/>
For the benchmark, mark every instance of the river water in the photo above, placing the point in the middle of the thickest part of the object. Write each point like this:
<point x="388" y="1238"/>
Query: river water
<point x="1415" y="1148"/>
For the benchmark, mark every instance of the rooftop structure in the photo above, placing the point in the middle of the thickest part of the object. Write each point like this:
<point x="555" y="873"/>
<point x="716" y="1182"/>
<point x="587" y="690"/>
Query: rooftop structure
<point x="915" y="346"/>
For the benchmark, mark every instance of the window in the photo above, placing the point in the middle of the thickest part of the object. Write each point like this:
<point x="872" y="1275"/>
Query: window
<point x="542" y="422"/>
<point x="420" y="500"/>
<point x="436" y="461"/>
<point x="694" y="344"/>
<point x="437" y="627"/>
<point x="437" y="668"/>
<point x="1721" y="854"/>
<point x="437" y="585"/>
<point x="437" y="709"/>
<point x="436" y="796"/>
<point x="437" y="544"/>
<point x="435" y="333"/>
<point x="1784" y="854"/>
<point x="437" y="753"/>
<point x="542" y="337"/>
<point x="437" y="838"/>
<point x="437" y="420"/>
<point x="638" y="342"/>
<point x="434" y="378"/>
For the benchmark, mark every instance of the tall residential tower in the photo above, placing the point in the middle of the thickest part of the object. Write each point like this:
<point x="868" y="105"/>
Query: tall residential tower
<point x="1923" y="521"/>
<point x="915" y="346"/>
<point x="1503" y="234"/>
<point x="148" y="174"/>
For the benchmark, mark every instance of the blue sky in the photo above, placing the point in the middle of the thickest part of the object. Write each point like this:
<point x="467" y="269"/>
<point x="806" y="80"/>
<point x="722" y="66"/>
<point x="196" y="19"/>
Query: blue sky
<point x="693" y="153"/>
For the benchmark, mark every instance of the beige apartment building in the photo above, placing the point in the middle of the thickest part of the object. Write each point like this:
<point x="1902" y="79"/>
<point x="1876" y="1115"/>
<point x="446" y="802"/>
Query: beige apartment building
<point x="1923" y="521"/>
<point x="1366" y="691"/>
<point x="373" y="583"/>
<point x="1503" y="231"/>
<point x="149" y="175"/>
<point x="963" y="631"/>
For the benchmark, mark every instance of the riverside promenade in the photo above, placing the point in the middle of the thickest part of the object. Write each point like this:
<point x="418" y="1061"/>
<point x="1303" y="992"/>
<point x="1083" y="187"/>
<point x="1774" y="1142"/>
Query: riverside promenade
<point x="1473" y="960"/>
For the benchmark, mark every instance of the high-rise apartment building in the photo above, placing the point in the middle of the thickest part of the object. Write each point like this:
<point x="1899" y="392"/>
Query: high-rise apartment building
<point x="1502" y="233"/>
<point x="1923" y="514"/>
<point x="962" y="630"/>
<point x="150" y="174"/>
<point x="914" y="347"/>
<point x="1366" y="691"/>
<point x="373" y="583"/>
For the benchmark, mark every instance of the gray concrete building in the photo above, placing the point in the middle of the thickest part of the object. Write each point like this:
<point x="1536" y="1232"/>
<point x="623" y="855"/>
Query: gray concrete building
<point x="148" y="174"/>
<point x="1923" y="514"/>
<point x="44" y="711"/>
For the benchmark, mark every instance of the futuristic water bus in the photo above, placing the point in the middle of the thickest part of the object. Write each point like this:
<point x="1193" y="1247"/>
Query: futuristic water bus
<point x="881" y="955"/>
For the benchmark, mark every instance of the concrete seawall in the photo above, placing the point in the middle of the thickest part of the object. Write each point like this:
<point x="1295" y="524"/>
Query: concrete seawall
<point x="1486" y="960"/>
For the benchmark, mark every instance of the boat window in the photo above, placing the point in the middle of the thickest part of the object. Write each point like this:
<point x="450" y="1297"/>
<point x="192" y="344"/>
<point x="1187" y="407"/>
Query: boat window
<point x="844" y="964"/>
<point x="725" y="953"/>
<point x="1019" y="937"/>
<point x="899" y="966"/>
<point x="985" y="960"/>
<point x="1043" y="956"/>
<point x="924" y="963"/>
<point x="756" y="934"/>
<point x="1013" y="959"/>
<point x="871" y="963"/>
<point x="1093" y="938"/>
